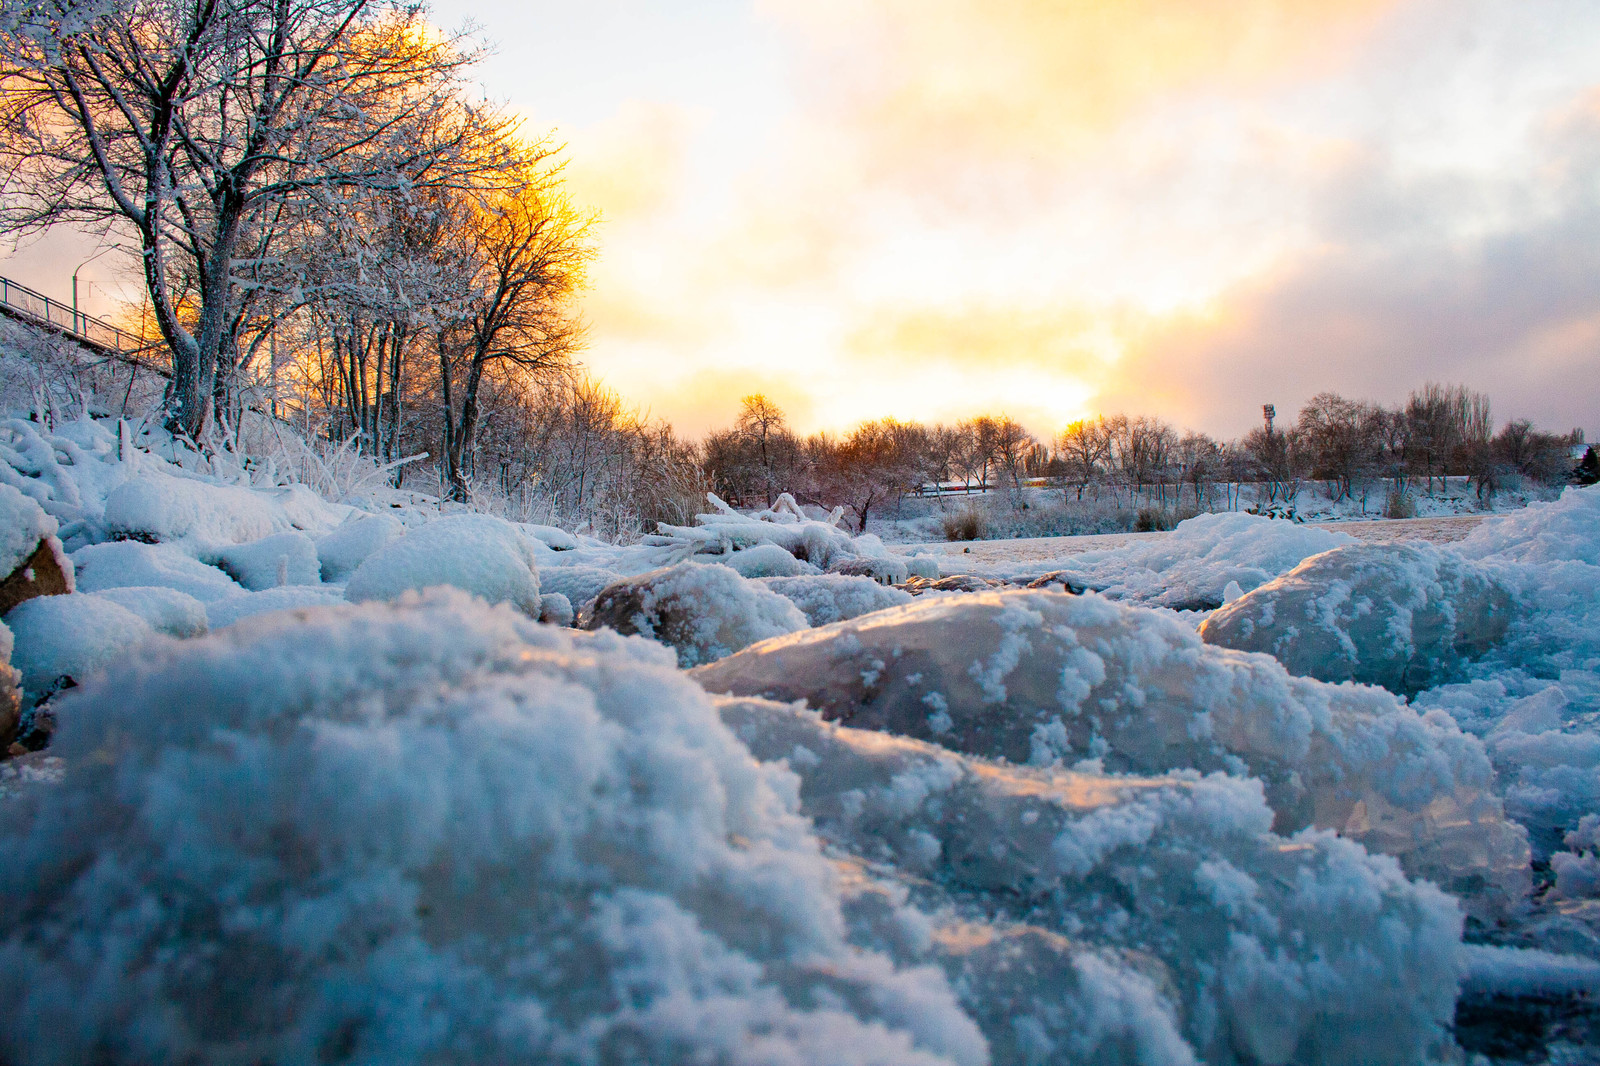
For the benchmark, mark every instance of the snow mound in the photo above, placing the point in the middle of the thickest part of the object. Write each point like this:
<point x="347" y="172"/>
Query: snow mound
<point x="553" y="537"/>
<point x="432" y="832"/>
<point x="226" y="612"/>
<point x="579" y="584"/>
<point x="281" y="559"/>
<point x="1578" y="870"/>
<point x="339" y="552"/>
<point x="488" y="557"/>
<point x="1045" y="678"/>
<point x="1157" y="919"/>
<point x="827" y="598"/>
<point x="703" y="612"/>
<point x="156" y="506"/>
<point x="1403" y="616"/>
<point x="555" y="609"/>
<point x="70" y="636"/>
<point x="766" y="560"/>
<point x="165" y="610"/>
<point x="1191" y="567"/>
<point x="129" y="564"/>
<point x="23" y="524"/>
<point x="785" y="525"/>
<point x="1567" y="529"/>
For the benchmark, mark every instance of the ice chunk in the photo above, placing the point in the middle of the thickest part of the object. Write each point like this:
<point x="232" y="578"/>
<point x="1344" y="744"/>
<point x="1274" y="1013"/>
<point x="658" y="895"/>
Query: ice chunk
<point x="436" y="832"/>
<point x="923" y="566"/>
<point x="1087" y="917"/>
<point x="829" y="598"/>
<point x="766" y="560"/>
<point x="1403" y="616"/>
<point x="168" y="611"/>
<point x="129" y="564"/>
<point x="290" y="597"/>
<point x="704" y="612"/>
<point x="281" y="559"/>
<point x="339" y="552"/>
<point x="1565" y="530"/>
<point x="160" y="507"/>
<point x="1046" y="677"/>
<point x="70" y="636"/>
<point x="486" y="556"/>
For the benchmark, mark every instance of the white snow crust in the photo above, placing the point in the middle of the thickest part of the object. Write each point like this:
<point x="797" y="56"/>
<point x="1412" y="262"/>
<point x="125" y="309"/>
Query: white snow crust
<point x="431" y="832"/>
<point x="1567" y="529"/>
<point x="1111" y="919"/>
<point x="480" y="554"/>
<point x="1047" y="678"/>
<point x="766" y="560"/>
<point x="226" y="612"/>
<point x="168" y="611"/>
<point x="163" y="507"/>
<point x="279" y="559"/>
<point x="339" y="552"/>
<point x="129" y="564"/>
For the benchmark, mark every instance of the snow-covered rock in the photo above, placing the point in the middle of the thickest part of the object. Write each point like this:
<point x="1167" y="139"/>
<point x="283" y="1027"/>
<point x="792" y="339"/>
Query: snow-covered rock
<point x="226" y="612"/>
<point x="1404" y="616"/>
<point x="23" y="525"/>
<point x="890" y="570"/>
<point x="348" y="545"/>
<point x="579" y="584"/>
<point x="827" y="598"/>
<point x="281" y="559"/>
<point x="766" y="560"/>
<point x="703" y="612"/>
<point x="486" y="556"/>
<point x="155" y="506"/>
<point x="130" y="564"/>
<point x="177" y="614"/>
<point x="1046" y="677"/>
<point x="432" y="832"/>
<point x="1086" y="917"/>
<point x="555" y="609"/>
<point x="70" y="636"/>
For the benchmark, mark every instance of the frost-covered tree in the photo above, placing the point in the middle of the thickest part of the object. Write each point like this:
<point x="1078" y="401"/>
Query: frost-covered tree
<point x="202" y="128"/>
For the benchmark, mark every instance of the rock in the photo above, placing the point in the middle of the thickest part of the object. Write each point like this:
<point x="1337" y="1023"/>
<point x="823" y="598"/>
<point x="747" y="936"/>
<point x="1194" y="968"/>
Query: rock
<point x="45" y="572"/>
<point x="703" y="612"/>
<point x="953" y="583"/>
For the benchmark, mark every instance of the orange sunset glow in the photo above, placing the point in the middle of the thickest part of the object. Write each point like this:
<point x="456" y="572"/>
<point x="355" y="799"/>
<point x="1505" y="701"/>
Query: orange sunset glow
<point x="1057" y="207"/>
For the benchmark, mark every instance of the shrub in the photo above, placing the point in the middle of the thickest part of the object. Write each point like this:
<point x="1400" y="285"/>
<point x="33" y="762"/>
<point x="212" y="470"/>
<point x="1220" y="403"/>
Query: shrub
<point x="1399" y="505"/>
<point x="965" y="524"/>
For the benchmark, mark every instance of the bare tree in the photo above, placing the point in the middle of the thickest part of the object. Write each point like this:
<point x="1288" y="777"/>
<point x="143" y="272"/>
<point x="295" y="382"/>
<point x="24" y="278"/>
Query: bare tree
<point x="201" y="124"/>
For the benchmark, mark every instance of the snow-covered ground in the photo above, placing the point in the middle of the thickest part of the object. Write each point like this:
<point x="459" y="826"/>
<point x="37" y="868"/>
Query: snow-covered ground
<point x="372" y="780"/>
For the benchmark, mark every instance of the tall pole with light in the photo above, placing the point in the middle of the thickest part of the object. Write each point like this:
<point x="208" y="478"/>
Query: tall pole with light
<point x="77" y="320"/>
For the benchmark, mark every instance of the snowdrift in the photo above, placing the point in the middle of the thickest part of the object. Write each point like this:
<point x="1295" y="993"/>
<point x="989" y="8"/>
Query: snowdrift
<point x="1044" y="677"/>
<point x="433" y="832"/>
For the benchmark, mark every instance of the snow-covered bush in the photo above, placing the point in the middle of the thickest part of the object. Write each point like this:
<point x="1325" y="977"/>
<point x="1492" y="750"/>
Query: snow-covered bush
<point x="486" y="556"/>
<point x="70" y="636"/>
<point x="430" y="833"/>
<point x="703" y="612"/>
<point x="1045" y="677"/>
<point x="827" y="598"/>
<point x="129" y="564"/>
<point x="1404" y="616"/>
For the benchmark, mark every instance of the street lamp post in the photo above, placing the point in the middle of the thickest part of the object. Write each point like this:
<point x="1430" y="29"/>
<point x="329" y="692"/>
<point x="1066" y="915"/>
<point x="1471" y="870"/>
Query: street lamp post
<point x="77" y="320"/>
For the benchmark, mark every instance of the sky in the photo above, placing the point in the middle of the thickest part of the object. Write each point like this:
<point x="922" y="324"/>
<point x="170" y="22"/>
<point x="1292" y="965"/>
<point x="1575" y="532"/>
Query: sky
<point x="935" y="208"/>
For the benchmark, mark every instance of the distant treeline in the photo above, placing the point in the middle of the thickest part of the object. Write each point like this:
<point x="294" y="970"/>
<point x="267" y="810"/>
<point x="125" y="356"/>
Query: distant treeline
<point x="1349" y="447"/>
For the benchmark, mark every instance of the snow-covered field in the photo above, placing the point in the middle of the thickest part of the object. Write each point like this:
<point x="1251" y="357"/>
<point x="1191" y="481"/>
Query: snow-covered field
<point x="368" y="780"/>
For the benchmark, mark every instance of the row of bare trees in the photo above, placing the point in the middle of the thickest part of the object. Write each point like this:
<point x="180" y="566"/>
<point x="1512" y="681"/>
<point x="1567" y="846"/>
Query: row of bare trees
<point x="1345" y="446"/>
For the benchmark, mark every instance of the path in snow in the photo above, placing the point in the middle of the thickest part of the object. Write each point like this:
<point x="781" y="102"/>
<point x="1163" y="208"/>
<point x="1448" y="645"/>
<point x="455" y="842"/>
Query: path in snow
<point x="1438" y="530"/>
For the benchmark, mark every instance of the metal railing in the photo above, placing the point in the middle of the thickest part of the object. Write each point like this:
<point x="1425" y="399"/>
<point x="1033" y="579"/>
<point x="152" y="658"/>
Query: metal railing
<point x="23" y="302"/>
